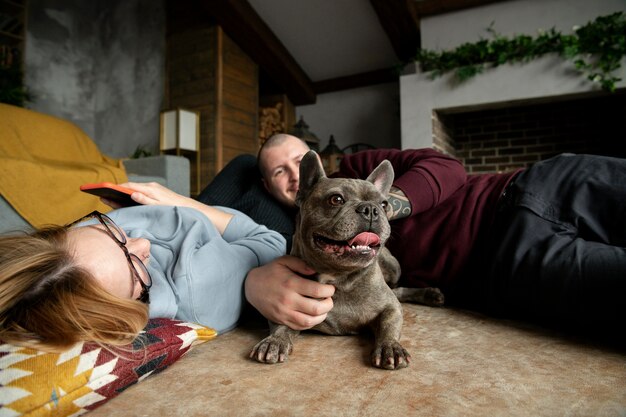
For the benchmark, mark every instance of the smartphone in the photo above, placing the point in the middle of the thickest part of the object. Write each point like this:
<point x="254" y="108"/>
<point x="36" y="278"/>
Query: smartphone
<point x="110" y="191"/>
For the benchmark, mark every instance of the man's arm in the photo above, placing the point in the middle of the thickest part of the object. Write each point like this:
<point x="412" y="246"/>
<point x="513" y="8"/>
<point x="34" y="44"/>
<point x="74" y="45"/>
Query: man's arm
<point x="399" y="203"/>
<point x="426" y="177"/>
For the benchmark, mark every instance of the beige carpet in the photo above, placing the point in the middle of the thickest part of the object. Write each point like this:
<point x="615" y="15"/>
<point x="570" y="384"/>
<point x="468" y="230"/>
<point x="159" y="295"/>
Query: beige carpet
<point x="464" y="364"/>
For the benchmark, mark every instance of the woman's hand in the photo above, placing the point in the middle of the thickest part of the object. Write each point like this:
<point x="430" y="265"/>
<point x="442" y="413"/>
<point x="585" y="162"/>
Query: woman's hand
<point x="153" y="193"/>
<point x="279" y="292"/>
<point x="150" y="193"/>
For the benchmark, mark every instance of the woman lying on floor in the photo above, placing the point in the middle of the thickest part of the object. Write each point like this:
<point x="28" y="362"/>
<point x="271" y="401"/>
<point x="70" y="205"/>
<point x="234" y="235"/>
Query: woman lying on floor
<point x="101" y="277"/>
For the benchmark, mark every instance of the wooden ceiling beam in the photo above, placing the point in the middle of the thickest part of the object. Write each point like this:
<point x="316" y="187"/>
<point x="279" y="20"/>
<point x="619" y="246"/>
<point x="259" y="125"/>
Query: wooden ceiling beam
<point x="246" y="28"/>
<point x="365" y="79"/>
<point x="434" y="7"/>
<point x="399" y="18"/>
<point x="400" y="21"/>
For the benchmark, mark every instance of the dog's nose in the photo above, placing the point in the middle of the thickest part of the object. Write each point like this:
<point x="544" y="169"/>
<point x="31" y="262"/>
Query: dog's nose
<point x="368" y="211"/>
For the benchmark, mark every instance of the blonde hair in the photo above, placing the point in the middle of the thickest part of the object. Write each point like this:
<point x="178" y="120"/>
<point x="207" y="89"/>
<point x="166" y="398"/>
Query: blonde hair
<point x="49" y="303"/>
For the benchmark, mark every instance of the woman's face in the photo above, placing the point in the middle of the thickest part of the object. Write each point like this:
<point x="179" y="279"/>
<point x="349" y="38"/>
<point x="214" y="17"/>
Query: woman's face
<point x="96" y="251"/>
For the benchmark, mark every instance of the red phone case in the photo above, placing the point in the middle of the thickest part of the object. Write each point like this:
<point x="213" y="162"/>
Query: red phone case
<point x="110" y="191"/>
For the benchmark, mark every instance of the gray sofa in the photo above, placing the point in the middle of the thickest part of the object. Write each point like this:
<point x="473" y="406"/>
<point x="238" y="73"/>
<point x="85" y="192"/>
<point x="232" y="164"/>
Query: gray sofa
<point x="168" y="170"/>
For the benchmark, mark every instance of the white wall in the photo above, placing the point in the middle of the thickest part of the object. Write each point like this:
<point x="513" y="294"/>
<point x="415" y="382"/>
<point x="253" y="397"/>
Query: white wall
<point x="367" y="114"/>
<point x="546" y="77"/>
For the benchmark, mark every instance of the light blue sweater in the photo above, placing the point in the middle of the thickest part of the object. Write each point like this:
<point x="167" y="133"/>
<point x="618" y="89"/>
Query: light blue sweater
<point x="198" y="275"/>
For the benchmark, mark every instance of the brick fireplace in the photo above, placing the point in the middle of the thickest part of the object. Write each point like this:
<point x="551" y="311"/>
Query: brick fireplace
<point x="513" y="116"/>
<point x="501" y="139"/>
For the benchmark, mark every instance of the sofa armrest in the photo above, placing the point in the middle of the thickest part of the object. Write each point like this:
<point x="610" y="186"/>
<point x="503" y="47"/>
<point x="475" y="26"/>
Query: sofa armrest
<point x="10" y="221"/>
<point x="174" y="169"/>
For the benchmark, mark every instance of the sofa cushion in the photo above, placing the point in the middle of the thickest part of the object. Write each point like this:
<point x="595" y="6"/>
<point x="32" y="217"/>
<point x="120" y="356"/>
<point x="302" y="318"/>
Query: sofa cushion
<point x="86" y="376"/>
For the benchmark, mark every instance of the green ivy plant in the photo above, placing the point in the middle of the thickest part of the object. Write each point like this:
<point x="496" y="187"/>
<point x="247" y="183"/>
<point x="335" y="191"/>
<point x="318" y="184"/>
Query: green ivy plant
<point x="596" y="49"/>
<point x="141" y="151"/>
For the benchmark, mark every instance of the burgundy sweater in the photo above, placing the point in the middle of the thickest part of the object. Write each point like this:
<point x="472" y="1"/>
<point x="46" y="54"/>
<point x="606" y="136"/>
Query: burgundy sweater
<point x="451" y="211"/>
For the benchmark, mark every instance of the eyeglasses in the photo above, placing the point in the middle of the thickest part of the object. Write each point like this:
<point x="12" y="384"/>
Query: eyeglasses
<point x="139" y="270"/>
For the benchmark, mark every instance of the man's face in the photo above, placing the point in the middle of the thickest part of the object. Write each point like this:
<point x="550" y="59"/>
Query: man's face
<point x="281" y="169"/>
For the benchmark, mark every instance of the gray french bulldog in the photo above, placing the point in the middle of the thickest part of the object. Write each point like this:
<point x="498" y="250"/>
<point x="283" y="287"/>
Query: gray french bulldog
<point x="340" y="231"/>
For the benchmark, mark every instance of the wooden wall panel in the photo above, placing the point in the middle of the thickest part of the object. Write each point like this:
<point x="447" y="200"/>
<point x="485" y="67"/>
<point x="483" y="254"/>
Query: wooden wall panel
<point x="209" y="73"/>
<point x="240" y="116"/>
<point x="191" y="84"/>
<point x="240" y="102"/>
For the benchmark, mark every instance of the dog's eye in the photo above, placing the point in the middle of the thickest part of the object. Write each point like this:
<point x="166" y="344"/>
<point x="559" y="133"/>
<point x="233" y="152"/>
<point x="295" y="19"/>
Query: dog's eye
<point x="336" y="200"/>
<point x="385" y="204"/>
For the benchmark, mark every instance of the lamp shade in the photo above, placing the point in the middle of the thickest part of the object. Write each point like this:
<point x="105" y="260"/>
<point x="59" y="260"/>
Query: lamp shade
<point x="180" y="130"/>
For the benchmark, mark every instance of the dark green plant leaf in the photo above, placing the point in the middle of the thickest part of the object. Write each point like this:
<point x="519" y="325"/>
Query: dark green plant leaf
<point x="12" y="89"/>
<point x="604" y="39"/>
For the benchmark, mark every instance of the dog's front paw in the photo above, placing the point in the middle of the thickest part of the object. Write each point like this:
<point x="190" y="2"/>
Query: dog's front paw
<point x="272" y="349"/>
<point x="390" y="355"/>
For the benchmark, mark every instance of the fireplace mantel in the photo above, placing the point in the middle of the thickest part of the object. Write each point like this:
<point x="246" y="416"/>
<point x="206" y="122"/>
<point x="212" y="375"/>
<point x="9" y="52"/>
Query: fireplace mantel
<point x="547" y="78"/>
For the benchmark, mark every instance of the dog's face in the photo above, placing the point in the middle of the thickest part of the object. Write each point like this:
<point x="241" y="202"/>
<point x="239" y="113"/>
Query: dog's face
<point x="342" y="223"/>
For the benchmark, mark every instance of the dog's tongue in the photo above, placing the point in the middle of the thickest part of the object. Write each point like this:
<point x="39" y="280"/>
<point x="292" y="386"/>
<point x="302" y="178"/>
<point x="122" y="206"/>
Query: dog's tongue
<point x="365" y="239"/>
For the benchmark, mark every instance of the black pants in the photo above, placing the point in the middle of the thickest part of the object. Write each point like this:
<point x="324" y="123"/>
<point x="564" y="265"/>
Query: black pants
<point x="559" y="251"/>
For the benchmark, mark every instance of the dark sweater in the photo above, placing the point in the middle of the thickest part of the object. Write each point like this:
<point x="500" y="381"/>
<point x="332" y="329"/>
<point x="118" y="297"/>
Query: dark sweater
<point x="239" y="186"/>
<point x="451" y="211"/>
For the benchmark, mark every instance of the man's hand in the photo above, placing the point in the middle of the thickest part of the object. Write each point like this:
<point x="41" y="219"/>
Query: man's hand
<point x="283" y="296"/>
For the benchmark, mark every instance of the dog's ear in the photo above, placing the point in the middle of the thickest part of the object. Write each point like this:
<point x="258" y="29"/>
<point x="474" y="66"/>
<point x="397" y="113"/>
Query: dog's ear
<point x="311" y="171"/>
<point x="382" y="177"/>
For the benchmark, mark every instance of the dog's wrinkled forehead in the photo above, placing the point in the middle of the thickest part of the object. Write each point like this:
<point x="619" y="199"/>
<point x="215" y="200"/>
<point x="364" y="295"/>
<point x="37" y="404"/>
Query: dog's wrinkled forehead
<point x="349" y="189"/>
<point x="313" y="177"/>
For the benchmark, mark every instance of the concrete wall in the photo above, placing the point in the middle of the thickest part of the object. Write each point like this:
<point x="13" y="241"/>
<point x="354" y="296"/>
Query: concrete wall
<point x="100" y="64"/>
<point x="367" y="114"/>
<point x="546" y="77"/>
